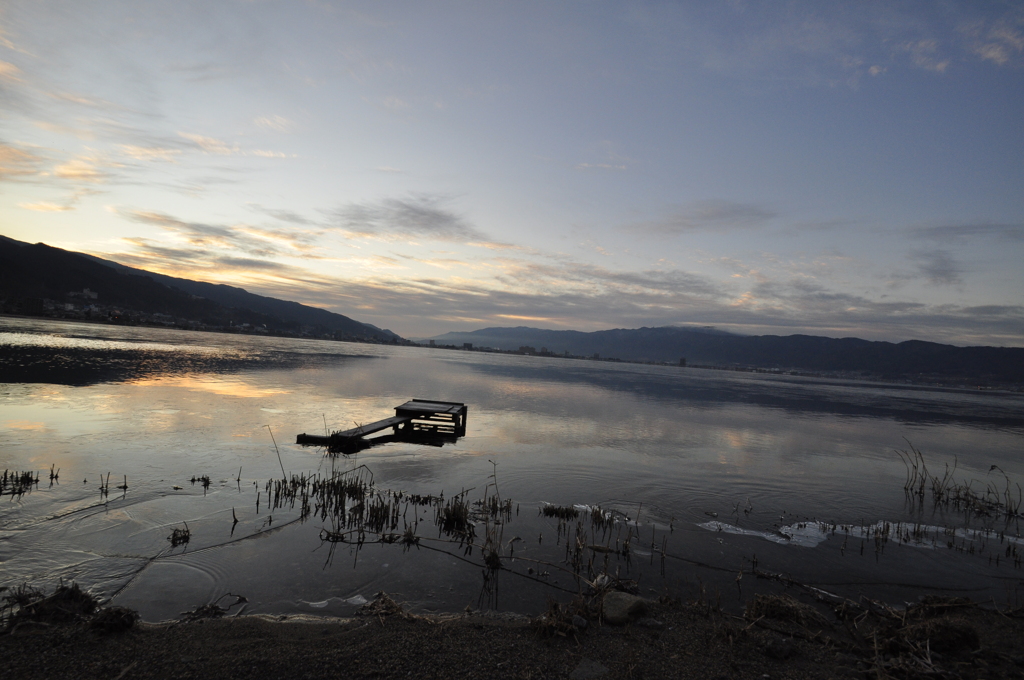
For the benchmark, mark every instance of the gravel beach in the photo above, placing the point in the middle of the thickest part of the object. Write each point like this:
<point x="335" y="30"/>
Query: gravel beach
<point x="778" y="638"/>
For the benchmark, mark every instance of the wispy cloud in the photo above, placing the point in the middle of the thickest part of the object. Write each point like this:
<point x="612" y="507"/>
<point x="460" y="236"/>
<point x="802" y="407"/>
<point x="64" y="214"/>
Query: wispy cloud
<point x="394" y="102"/>
<point x="18" y="162"/>
<point x="44" y="206"/>
<point x="715" y="216"/>
<point x="558" y="291"/>
<point x="282" y="215"/>
<point x="9" y="71"/>
<point x="221" y="239"/>
<point x="275" y="123"/>
<point x="925" y="54"/>
<point x="598" y="166"/>
<point x="938" y="267"/>
<point x="584" y="278"/>
<point x="85" y="168"/>
<point x="149" y="153"/>
<point x="210" y="145"/>
<point x="416" y="216"/>
<point x="808" y="43"/>
<point x="962" y="232"/>
<point x="1000" y="41"/>
<point x="64" y="206"/>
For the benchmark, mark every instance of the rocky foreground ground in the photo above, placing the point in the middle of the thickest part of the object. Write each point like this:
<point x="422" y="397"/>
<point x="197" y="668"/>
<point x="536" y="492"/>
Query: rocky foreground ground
<point x="616" y="636"/>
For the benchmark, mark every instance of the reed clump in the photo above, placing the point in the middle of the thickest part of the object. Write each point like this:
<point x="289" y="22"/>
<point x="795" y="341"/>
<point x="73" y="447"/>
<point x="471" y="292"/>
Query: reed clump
<point x="562" y="512"/>
<point x="994" y="500"/>
<point x="452" y="518"/>
<point x="15" y="483"/>
<point x="180" y="536"/>
<point x="68" y="603"/>
<point x="213" y="610"/>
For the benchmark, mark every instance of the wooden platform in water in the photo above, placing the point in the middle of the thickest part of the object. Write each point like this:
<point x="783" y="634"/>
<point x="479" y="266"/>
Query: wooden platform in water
<point x="417" y="418"/>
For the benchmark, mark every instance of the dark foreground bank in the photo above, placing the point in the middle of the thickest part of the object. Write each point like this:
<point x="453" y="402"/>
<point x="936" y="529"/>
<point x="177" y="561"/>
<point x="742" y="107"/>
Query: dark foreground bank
<point x="778" y="637"/>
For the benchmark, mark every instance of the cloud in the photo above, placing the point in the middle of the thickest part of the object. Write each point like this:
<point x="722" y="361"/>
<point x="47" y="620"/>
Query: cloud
<point x="44" y="206"/>
<point x="429" y="305"/>
<point x="218" y="147"/>
<point x="80" y="132"/>
<point x="84" y="169"/>
<point x="924" y="54"/>
<point x="813" y="44"/>
<point x="9" y="71"/>
<point x="417" y="216"/>
<point x="16" y="162"/>
<point x="203" y="235"/>
<point x="1008" y="231"/>
<point x="1001" y="41"/>
<point x="157" y="257"/>
<point x="143" y="153"/>
<point x="394" y="103"/>
<point x="64" y="206"/>
<point x="276" y="123"/>
<point x="92" y="102"/>
<point x="243" y="238"/>
<point x="210" y="145"/>
<point x="297" y="240"/>
<point x="282" y="215"/>
<point x="598" y="166"/>
<point x="587" y="278"/>
<point x="938" y="267"/>
<point x="249" y="264"/>
<point x="201" y="262"/>
<point x="557" y="291"/>
<point x="717" y="216"/>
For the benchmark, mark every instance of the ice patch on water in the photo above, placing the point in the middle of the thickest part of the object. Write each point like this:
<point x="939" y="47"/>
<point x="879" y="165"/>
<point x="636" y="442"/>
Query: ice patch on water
<point x="357" y="600"/>
<point x="810" y="534"/>
<point x="786" y="535"/>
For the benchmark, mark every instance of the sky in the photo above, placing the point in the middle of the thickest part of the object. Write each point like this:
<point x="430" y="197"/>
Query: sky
<point x="839" y="169"/>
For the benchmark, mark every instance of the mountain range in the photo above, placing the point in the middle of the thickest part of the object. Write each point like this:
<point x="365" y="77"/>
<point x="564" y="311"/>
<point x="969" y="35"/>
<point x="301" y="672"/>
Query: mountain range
<point x="31" y="274"/>
<point x="38" y="279"/>
<point x="912" y="360"/>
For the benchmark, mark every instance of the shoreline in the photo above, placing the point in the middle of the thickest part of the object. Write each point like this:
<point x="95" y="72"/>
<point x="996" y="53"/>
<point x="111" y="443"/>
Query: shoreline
<point x="777" y="637"/>
<point x="954" y="384"/>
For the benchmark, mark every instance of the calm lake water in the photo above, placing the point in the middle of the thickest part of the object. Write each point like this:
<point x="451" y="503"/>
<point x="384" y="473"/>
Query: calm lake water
<point x="714" y="469"/>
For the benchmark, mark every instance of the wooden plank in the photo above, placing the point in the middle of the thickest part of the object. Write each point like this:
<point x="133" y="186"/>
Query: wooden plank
<point x="370" y="428"/>
<point x="422" y="406"/>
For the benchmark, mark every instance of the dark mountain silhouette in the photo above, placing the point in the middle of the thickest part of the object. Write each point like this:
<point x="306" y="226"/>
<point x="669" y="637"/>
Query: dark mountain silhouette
<point x="913" y="359"/>
<point x="32" y="273"/>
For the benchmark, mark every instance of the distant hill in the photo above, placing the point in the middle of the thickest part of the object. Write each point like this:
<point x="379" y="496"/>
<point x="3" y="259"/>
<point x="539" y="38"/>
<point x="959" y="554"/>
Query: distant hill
<point x="913" y="359"/>
<point x="31" y="273"/>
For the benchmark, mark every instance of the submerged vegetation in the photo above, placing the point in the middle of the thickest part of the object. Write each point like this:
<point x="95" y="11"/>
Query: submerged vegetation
<point x="356" y="513"/>
<point x="994" y="500"/>
<point x="18" y="483"/>
<point x="589" y="550"/>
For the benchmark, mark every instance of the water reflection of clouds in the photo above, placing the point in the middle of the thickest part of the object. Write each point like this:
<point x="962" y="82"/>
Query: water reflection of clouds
<point x="213" y="384"/>
<point x="24" y="425"/>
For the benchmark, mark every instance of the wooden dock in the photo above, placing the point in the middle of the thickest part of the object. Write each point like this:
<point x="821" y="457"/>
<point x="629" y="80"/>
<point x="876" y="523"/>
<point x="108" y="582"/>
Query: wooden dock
<point x="415" y="420"/>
